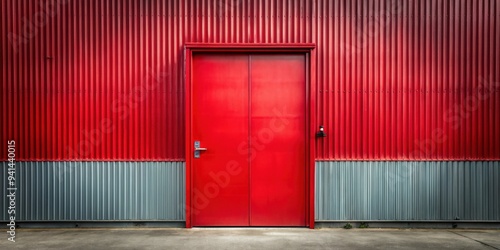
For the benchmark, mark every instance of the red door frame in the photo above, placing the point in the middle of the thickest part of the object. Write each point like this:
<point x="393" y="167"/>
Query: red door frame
<point x="309" y="51"/>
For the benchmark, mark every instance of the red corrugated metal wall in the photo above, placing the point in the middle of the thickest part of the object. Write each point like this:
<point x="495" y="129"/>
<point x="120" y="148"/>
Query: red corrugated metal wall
<point x="102" y="80"/>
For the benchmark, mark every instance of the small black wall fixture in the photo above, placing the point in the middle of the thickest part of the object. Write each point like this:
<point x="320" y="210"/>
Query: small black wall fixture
<point x="321" y="132"/>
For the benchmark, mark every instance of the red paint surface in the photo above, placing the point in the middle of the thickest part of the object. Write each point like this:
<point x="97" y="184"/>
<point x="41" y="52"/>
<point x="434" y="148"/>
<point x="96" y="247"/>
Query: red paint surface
<point x="415" y="80"/>
<point x="278" y="140"/>
<point x="249" y="111"/>
<point x="220" y="123"/>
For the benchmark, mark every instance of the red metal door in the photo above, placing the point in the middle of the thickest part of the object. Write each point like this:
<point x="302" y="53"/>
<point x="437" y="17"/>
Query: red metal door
<point x="249" y="114"/>
<point x="220" y="124"/>
<point x="278" y="134"/>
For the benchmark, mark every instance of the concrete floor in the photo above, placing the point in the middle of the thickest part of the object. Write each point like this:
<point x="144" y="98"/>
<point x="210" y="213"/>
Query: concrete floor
<point x="252" y="238"/>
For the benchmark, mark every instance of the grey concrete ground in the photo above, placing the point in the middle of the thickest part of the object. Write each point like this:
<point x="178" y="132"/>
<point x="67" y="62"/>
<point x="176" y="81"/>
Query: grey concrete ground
<point x="253" y="238"/>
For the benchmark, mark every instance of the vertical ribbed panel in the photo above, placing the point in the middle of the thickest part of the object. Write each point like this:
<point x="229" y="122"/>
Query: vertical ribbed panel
<point x="405" y="190"/>
<point x="103" y="80"/>
<point x="104" y="191"/>
<point x="401" y="80"/>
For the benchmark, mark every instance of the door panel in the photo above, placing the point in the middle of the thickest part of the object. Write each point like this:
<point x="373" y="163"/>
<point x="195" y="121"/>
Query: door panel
<point x="277" y="132"/>
<point x="220" y="123"/>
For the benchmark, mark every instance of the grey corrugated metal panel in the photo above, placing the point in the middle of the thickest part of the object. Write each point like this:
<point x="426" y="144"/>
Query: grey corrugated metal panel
<point x="409" y="191"/>
<point x="87" y="191"/>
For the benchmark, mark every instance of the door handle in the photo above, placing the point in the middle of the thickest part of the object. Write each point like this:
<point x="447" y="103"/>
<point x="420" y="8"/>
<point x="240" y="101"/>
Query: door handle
<point x="198" y="149"/>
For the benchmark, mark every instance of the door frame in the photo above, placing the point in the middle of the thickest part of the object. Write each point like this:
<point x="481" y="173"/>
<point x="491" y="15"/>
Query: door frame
<point x="308" y="49"/>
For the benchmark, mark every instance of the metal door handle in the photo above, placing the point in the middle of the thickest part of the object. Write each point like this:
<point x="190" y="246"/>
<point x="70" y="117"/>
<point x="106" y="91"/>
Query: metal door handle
<point x="197" y="149"/>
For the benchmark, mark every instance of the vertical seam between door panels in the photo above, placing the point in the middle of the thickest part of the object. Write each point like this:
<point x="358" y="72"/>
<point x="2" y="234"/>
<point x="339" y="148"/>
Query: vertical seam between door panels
<point x="307" y="153"/>
<point x="249" y="140"/>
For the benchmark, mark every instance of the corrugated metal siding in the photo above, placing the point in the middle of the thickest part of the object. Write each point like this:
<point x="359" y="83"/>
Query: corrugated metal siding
<point x="404" y="80"/>
<point x="405" y="190"/>
<point x="105" y="191"/>
<point x="396" y="79"/>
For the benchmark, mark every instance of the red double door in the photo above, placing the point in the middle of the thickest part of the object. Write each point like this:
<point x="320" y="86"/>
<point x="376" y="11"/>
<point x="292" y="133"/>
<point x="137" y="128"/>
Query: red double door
<point x="249" y="134"/>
